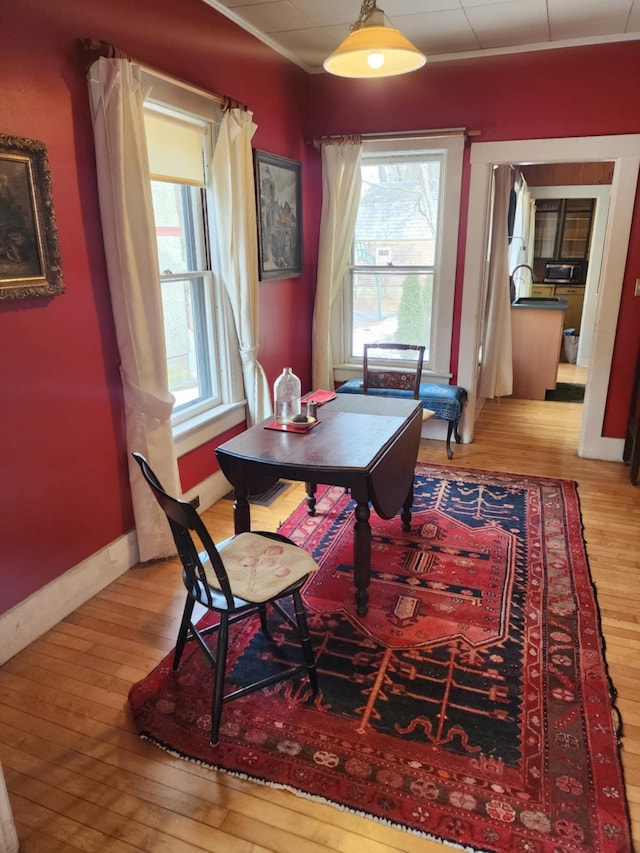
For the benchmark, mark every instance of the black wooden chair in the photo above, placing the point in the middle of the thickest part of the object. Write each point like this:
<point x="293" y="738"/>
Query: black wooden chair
<point x="235" y="579"/>
<point x="393" y="378"/>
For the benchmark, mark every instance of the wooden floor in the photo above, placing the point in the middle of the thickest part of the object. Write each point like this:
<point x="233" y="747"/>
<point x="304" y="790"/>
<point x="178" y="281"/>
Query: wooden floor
<point x="80" y="780"/>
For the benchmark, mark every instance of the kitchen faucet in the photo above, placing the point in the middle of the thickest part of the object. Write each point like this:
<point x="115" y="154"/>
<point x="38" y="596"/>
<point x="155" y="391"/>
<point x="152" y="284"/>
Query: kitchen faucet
<point x="527" y="267"/>
<point x="512" y="284"/>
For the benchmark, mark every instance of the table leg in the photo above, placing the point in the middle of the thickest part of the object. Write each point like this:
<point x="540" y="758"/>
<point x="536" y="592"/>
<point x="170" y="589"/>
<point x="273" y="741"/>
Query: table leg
<point x="362" y="556"/>
<point x="311" y="498"/>
<point x="241" y="510"/>
<point x="406" y="510"/>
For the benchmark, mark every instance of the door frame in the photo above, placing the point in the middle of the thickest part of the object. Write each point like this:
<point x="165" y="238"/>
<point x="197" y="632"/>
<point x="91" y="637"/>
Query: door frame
<point x="624" y="152"/>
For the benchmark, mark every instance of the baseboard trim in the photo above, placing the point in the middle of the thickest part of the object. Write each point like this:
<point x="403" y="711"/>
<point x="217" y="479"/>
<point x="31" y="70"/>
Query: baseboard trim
<point x="210" y="491"/>
<point x="36" y="615"/>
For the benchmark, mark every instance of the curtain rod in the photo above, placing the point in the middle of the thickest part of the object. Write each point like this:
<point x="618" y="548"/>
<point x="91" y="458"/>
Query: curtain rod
<point x="409" y="134"/>
<point x="93" y="50"/>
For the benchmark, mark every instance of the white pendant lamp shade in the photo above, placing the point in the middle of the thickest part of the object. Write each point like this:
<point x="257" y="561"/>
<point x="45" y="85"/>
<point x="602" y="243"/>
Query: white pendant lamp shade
<point x="373" y="50"/>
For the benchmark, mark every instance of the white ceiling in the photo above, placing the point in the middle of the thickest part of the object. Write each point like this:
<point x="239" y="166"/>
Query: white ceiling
<point x="307" y="31"/>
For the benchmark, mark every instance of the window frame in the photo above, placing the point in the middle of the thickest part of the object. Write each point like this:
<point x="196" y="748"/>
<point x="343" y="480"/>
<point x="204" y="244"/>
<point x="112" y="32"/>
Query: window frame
<point x="198" y="272"/>
<point x="207" y="419"/>
<point x="451" y="150"/>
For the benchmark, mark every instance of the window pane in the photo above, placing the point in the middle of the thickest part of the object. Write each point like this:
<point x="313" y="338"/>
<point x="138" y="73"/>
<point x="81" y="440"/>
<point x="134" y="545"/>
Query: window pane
<point x="396" y="227"/>
<point x="178" y="211"/>
<point x="398" y="214"/>
<point x="389" y="306"/>
<point x="547" y="220"/>
<point x="188" y="358"/>
<point x="178" y="248"/>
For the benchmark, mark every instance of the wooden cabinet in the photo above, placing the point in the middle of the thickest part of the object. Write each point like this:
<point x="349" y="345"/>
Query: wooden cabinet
<point x="542" y="290"/>
<point x="536" y="341"/>
<point x="575" y="298"/>
<point x="631" y="453"/>
<point x="563" y="229"/>
<point x="574" y="295"/>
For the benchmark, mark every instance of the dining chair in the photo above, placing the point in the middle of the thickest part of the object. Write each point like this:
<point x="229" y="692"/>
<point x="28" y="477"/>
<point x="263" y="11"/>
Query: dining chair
<point x="235" y="579"/>
<point x="393" y="378"/>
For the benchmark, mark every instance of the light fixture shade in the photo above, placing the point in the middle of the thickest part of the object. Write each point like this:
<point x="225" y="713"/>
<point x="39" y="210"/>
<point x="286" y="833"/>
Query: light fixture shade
<point x="392" y="53"/>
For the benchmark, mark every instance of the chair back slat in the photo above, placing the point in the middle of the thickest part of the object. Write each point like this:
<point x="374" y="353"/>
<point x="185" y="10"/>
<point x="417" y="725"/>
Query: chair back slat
<point x="184" y="520"/>
<point x="400" y="378"/>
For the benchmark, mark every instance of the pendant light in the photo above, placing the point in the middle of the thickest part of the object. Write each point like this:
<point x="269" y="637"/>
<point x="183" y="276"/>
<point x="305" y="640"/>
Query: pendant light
<point x="372" y="49"/>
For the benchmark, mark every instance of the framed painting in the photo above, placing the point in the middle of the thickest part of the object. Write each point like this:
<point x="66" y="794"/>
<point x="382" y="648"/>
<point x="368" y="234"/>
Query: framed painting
<point x="279" y="210"/>
<point x="29" y="254"/>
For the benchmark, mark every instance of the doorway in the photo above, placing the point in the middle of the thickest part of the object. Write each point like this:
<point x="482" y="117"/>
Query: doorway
<point x="624" y="152"/>
<point x="602" y="195"/>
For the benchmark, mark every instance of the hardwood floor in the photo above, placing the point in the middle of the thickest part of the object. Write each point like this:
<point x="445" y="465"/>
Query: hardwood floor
<point x="78" y="777"/>
<point x="572" y="373"/>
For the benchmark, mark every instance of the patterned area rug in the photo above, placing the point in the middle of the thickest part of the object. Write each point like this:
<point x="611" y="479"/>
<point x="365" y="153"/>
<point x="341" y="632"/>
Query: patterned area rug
<point x="471" y="704"/>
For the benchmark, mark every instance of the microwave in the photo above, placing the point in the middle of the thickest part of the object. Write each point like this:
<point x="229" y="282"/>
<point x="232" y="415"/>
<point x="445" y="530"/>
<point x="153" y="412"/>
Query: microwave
<point x="559" y="273"/>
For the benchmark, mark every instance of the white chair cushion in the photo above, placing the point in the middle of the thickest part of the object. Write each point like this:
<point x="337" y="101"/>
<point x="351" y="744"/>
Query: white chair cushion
<point x="259" y="568"/>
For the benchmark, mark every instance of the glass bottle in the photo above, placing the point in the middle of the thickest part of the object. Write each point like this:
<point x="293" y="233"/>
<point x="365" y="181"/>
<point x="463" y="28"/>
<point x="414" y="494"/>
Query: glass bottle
<point x="286" y="396"/>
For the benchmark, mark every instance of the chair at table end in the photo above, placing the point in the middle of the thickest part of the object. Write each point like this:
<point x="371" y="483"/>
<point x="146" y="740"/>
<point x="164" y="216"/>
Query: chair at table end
<point x="217" y="578"/>
<point x="393" y="378"/>
<point x="444" y="402"/>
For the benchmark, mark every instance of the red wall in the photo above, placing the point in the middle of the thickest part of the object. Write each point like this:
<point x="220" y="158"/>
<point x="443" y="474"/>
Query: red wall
<point x="62" y="450"/>
<point x="63" y="457"/>
<point x="585" y="91"/>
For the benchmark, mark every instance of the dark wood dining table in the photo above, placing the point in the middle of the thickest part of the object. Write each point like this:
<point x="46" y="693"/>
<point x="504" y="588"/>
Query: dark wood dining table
<point x="368" y="445"/>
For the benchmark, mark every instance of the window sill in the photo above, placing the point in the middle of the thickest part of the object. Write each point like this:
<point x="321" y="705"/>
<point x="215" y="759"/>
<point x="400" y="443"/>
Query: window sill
<point x="207" y="426"/>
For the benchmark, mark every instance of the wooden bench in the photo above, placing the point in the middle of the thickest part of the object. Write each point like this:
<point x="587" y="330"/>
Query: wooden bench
<point x="445" y="401"/>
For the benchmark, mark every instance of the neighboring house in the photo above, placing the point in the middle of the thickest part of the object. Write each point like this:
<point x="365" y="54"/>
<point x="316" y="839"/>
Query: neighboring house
<point x="65" y="497"/>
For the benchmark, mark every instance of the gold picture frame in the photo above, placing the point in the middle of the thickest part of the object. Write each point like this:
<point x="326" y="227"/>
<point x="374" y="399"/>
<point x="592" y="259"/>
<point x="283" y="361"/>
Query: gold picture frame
<point x="29" y="254"/>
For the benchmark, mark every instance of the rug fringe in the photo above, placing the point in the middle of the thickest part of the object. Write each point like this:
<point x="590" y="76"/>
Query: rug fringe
<point x="307" y="796"/>
<point x="613" y="692"/>
<point x="616" y="714"/>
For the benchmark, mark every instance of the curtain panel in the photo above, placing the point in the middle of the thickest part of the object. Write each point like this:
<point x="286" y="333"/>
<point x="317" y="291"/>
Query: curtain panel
<point x="341" y="183"/>
<point x="117" y="96"/>
<point x="236" y="227"/>
<point x="496" y="372"/>
<point x="522" y="237"/>
<point x="8" y="836"/>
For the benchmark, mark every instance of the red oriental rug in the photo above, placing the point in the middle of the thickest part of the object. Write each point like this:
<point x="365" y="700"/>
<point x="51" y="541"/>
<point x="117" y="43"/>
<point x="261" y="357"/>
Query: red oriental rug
<point x="472" y="703"/>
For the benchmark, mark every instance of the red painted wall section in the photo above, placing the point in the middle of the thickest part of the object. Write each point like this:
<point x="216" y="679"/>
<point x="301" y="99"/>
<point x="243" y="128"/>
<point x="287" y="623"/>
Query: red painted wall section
<point x="194" y="463"/>
<point x="65" y="491"/>
<point x="576" y="91"/>
<point x="627" y="348"/>
<point x="581" y="91"/>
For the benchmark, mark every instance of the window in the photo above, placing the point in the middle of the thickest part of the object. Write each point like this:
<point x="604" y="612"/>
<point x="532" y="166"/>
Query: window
<point x="202" y="353"/>
<point x="401" y="279"/>
<point x="187" y="289"/>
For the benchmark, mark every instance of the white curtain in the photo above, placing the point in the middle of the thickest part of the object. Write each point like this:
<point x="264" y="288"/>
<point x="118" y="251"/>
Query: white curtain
<point x="117" y="97"/>
<point x="8" y="836"/>
<point x="496" y="371"/>
<point x="341" y="184"/>
<point x="521" y="245"/>
<point x="237" y="243"/>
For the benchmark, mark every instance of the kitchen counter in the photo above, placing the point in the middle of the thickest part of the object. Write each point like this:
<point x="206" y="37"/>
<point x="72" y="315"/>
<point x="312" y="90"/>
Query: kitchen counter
<point x="542" y="303"/>
<point x="537" y="324"/>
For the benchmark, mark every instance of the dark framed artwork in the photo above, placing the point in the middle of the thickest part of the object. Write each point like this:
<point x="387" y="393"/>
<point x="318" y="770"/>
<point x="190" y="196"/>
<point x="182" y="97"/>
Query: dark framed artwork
<point x="29" y="254"/>
<point x="279" y="208"/>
